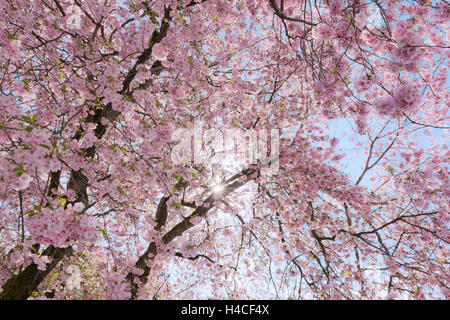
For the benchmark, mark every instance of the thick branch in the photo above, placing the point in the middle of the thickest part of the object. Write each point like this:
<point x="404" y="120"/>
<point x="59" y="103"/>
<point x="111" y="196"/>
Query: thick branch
<point x="233" y="183"/>
<point x="21" y="286"/>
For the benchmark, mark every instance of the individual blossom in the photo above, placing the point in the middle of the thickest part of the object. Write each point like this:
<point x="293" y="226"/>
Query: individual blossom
<point x="117" y="287"/>
<point x="336" y="7"/>
<point x="442" y="12"/>
<point x="41" y="261"/>
<point x="78" y="207"/>
<point x="22" y="182"/>
<point x="189" y="250"/>
<point x="159" y="53"/>
<point x="392" y="295"/>
<point x="363" y="83"/>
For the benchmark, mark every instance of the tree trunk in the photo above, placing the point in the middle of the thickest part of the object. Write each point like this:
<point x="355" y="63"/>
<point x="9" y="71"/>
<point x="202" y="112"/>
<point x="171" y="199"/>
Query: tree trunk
<point x="22" y="285"/>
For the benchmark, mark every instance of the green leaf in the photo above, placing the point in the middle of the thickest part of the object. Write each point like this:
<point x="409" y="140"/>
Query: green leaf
<point x="45" y="146"/>
<point x="31" y="213"/>
<point x="62" y="201"/>
<point x="20" y="170"/>
<point x="105" y="235"/>
<point x="27" y="119"/>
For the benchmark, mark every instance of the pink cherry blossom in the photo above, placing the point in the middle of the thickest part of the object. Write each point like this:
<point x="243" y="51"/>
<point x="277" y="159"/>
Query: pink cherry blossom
<point x="348" y="201"/>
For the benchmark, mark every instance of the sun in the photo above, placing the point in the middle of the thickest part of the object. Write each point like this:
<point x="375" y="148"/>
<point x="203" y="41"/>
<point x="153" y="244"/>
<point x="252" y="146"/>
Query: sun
<point x="217" y="185"/>
<point x="218" y="188"/>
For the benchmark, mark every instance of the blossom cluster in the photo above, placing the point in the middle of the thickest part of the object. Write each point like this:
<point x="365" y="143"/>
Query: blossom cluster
<point x="62" y="227"/>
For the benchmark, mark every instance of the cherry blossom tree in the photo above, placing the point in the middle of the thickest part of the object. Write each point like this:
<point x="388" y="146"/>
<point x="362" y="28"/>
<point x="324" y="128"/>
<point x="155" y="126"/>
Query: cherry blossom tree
<point x="93" y="91"/>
